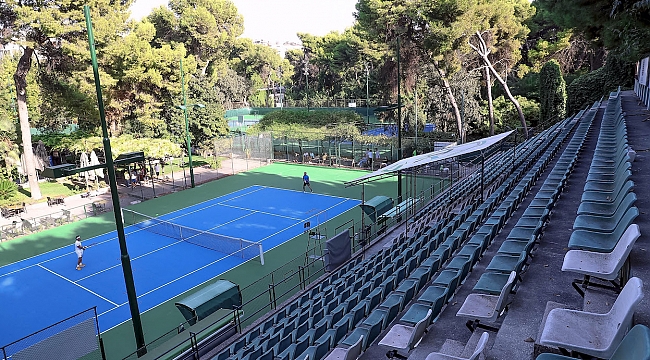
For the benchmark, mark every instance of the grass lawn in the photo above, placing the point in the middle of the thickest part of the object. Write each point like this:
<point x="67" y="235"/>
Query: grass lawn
<point x="49" y="188"/>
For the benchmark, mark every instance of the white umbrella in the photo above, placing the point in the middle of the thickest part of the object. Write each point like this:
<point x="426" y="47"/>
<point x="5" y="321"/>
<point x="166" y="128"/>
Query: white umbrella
<point x="84" y="162"/>
<point x="94" y="160"/>
<point x="41" y="158"/>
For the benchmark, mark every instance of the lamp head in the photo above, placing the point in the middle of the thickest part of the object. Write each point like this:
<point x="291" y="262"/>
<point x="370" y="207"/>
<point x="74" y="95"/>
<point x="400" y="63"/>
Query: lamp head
<point x="199" y="106"/>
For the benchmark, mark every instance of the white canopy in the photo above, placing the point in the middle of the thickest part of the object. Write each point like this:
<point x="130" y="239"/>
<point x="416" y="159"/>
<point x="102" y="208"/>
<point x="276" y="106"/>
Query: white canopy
<point x="439" y="155"/>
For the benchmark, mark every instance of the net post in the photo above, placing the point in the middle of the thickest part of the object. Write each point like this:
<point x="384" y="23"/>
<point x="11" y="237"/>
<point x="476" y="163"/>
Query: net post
<point x="261" y="253"/>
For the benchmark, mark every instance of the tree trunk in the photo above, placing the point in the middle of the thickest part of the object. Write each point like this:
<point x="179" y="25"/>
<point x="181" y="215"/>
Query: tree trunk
<point x="488" y="82"/>
<point x="483" y="52"/>
<point x="452" y="100"/>
<point x="24" y="64"/>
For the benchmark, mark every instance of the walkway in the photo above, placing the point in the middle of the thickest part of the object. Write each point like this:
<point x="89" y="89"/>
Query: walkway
<point x="40" y="216"/>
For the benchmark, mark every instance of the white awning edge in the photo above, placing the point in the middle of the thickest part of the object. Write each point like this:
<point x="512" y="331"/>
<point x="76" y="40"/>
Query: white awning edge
<point x="439" y="155"/>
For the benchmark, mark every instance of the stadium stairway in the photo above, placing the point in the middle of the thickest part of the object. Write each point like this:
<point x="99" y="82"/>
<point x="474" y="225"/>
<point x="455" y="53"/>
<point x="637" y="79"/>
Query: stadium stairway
<point x="448" y="315"/>
<point x="544" y="280"/>
<point x="364" y="297"/>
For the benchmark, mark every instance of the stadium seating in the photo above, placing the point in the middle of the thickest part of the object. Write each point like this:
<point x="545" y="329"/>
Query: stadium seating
<point x="478" y="351"/>
<point x="593" y="334"/>
<point x="634" y="346"/>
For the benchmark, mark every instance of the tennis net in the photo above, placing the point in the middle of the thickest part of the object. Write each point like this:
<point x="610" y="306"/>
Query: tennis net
<point x="225" y="244"/>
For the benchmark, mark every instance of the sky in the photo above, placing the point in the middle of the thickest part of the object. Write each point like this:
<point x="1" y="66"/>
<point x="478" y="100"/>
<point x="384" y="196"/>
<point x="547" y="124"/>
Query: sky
<point x="279" y="20"/>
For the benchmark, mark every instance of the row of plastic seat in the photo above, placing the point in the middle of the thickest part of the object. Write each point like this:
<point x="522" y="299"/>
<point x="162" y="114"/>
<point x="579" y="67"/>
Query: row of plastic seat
<point x="406" y="285"/>
<point x="488" y="301"/>
<point x="285" y="338"/>
<point x="445" y="242"/>
<point x="605" y="241"/>
<point x="454" y="269"/>
<point x="606" y="208"/>
<point x="604" y="231"/>
<point x="515" y="251"/>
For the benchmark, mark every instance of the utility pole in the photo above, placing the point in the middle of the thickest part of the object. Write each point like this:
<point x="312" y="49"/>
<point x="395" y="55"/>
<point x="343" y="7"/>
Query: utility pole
<point x="187" y="125"/>
<point x="119" y="223"/>
<point x="399" y="124"/>
<point x="367" y="94"/>
<point x="416" y="115"/>
<point x="306" y="71"/>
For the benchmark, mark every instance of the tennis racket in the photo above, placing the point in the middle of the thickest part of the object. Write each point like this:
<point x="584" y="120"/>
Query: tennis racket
<point x="91" y="245"/>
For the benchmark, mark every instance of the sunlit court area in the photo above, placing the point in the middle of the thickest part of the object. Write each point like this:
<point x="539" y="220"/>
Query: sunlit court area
<point x="324" y="180"/>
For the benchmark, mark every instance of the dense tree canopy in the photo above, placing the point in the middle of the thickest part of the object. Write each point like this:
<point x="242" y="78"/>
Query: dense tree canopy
<point x="456" y="54"/>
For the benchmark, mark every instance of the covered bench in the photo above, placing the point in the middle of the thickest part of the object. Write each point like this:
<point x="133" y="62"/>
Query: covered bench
<point x="398" y="210"/>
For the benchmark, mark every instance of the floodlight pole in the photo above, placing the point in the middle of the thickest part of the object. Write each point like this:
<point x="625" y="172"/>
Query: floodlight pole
<point x="119" y="224"/>
<point x="367" y="94"/>
<point x="399" y="124"/>
<point x="187" y="125"/>
<point x="416" y="115"/>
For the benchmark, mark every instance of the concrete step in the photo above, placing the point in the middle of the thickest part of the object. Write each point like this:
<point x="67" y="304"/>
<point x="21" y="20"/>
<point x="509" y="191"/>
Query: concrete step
<point x="539" y="348"/>
<point x="473" y="341"/>
<point x="452" y="347"/>
<point x="598" y="301"/>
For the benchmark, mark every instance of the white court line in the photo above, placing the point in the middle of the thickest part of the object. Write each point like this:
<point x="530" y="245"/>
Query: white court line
<point x="311" y="216"/>
<point x="180" y="277"/>
<point x="209" y="206"/>
<point x="262" y="212"/>
<point x="72" y="282"/>
<point x="212" y="278"/>
<point x="332" y="196"/>
<point x="115" y="237"/>
<point x="132" y="259"/>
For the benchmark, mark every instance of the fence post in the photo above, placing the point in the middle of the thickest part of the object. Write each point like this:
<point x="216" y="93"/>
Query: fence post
<point x="194" y="345"/>
<point x="237" y="319"/>
<point x="301" y="277"/>
<point x="272" y="296"/>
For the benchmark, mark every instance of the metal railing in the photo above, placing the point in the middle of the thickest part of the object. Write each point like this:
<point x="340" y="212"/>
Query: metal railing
<point x="259" y="298"/>
<point x="27" y="225"/>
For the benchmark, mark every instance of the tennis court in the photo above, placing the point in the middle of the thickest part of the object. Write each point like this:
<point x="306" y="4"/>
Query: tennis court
<point x="41" y="290"/>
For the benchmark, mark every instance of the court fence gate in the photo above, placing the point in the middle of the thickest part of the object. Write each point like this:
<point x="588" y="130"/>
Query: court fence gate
<point x="72" y="338"/>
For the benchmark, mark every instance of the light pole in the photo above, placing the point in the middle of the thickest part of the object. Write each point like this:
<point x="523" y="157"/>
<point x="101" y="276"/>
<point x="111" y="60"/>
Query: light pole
<point x="119" y="222"/>
<point x="367" y="93"/>
<point x="399" y="124"/>
<point x="187" y="135"/>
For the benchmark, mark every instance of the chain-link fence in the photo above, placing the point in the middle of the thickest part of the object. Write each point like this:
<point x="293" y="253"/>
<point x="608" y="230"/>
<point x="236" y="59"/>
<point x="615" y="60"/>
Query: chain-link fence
<point x="25" y="225"/>
<point x="74" y="338"/>
<point x="241" y="152"/>
<point x="259" y="297"/>
<point x="333" y="152"/>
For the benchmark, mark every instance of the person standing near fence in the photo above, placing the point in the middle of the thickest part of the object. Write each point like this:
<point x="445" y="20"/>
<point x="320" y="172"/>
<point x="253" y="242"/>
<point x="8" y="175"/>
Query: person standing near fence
<point x="79" y="250"/>
<point x="305" y="182"/>
<point x="369" y="156"/>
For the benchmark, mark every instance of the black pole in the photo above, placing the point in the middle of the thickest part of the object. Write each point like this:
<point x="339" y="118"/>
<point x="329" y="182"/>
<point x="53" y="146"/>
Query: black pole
<point x="399" y="125"/>
<point x="119" y="225"/>
<point x="367" y="94"/>
<point x="482" y="174"/>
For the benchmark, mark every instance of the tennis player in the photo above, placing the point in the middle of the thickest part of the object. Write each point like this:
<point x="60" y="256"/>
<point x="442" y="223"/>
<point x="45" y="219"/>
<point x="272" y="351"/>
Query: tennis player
<point x="79" y="249"/>
<point x="305" y="182"/>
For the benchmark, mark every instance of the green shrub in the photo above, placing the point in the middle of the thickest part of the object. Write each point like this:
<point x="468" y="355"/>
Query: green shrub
<point x="312" y="118"/>
<point x="552" y="94"/>
<point x="8" y="189"/>
<point x="505" y="114"/>
<point x="214" y="162"/>
<point x="590" y="87"/>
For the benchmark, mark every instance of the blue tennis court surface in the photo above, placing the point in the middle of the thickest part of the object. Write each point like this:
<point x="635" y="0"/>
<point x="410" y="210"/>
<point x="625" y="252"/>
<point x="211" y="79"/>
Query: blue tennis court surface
<point x="39" y="291"/>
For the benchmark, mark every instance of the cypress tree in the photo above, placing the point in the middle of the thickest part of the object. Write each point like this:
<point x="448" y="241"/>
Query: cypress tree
<point x="552" y="94"/>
